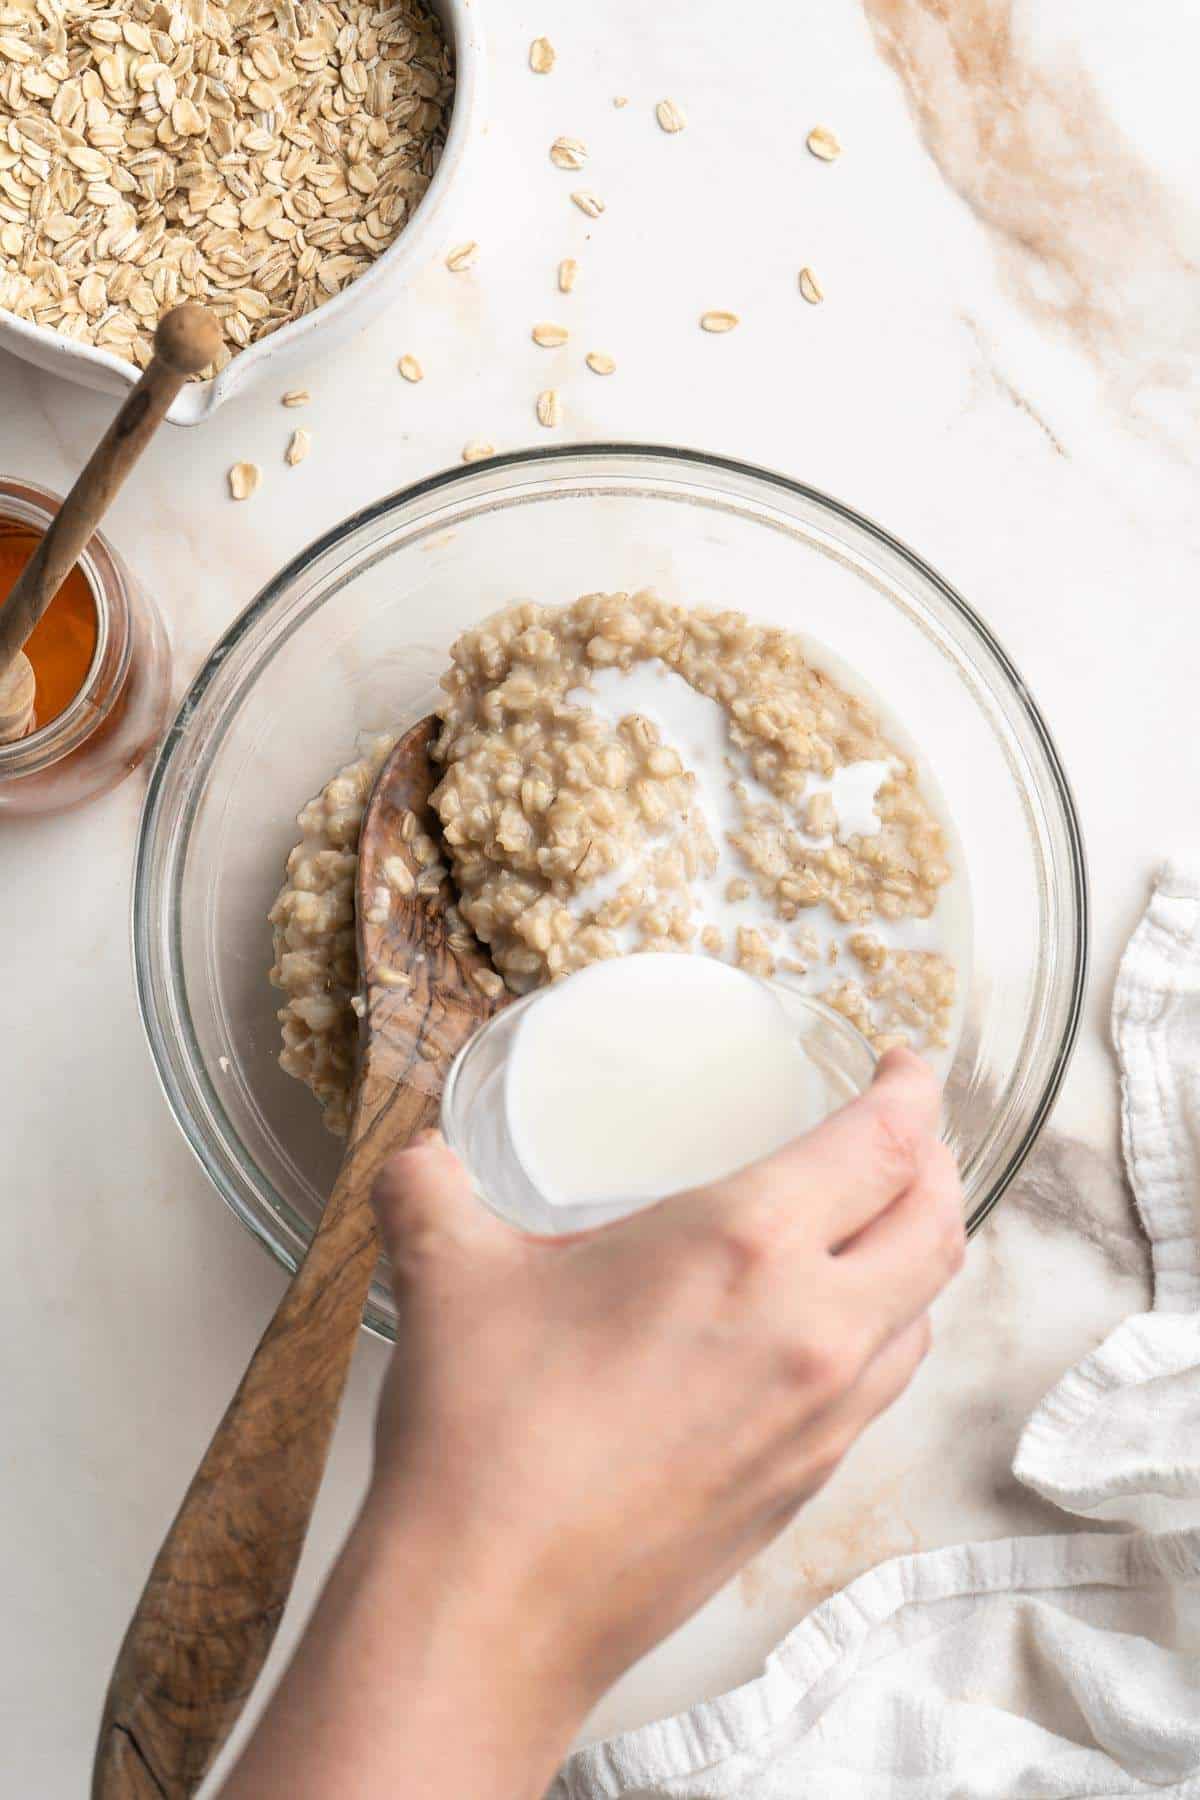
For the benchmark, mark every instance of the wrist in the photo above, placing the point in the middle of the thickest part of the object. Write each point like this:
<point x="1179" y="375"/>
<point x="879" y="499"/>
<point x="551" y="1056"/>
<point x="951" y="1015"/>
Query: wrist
<point x="472" y="1621"/>
<point x="415" y="1675"/>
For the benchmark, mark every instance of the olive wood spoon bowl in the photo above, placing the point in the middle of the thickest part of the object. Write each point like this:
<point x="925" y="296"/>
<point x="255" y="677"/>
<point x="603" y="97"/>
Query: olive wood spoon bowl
<point x="216" y="1593"/>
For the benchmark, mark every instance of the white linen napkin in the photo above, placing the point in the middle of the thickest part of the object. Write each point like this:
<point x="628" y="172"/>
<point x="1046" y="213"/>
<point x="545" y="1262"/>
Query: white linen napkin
<point x="1032" y="1668"/>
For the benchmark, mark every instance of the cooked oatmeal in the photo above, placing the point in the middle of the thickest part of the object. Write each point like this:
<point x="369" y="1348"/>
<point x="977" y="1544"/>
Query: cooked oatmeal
<point x="624" y="774"/>
<point x="316" y="959"/>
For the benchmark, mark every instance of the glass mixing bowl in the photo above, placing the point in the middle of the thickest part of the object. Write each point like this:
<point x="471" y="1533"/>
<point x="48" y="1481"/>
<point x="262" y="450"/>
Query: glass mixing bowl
<point x="352" y="637"/>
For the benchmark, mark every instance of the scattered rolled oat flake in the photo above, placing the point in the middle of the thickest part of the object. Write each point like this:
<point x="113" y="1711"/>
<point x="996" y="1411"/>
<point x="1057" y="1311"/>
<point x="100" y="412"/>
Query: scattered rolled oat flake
<point x="541" y="56"/>
<point x="411" y="369"/>
<point x="549" y="408"/>
<point x="811" y="288"/>
<point x="549" y="336"/>
<point x="244" y="479"/>
<point x="568" y="274"/>
<point x="478" y="450"/>
<point x="823" y="143"/>
<point x="670" y="116"/>
<point x="600" y="362"/>
<point x="568" y="153"/>
<point x="297" y="397"/>
<point x="620" y="100"/>
<point x="587" y="202"/>
<point x="718" y="321"/>
<point x="463" y="256"/>
<point x="299" y="447"/>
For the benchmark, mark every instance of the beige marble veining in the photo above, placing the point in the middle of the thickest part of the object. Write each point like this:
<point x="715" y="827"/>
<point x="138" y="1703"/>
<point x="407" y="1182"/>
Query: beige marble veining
<point x="1089" y="239"/>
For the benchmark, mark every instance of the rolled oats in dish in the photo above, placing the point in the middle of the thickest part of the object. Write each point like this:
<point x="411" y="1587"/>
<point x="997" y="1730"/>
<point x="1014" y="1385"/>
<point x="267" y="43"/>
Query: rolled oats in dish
<point x="255" y="155"/>
<point x="625" y="774"/>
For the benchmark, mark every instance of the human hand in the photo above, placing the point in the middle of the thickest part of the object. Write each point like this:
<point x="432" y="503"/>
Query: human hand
<point x="580" y="1438"/>
<point x="606" y="1427"/>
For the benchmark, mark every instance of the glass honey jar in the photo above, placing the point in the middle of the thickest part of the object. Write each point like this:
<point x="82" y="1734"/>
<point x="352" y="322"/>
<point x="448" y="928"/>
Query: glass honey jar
<point x="101" y="664"/>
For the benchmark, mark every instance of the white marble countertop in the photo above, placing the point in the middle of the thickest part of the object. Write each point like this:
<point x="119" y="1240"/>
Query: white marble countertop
<point x="1001" y="374"/>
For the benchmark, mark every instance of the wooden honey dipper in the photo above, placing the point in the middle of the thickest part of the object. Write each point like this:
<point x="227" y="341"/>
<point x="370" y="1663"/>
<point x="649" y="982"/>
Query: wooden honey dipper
<point x="187" y="340"/>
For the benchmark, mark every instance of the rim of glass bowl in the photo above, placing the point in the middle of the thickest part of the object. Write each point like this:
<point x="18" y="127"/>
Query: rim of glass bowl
<point x="165" y="828"/>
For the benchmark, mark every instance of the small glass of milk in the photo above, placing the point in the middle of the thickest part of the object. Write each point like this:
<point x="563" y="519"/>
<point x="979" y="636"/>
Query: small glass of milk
<point x="637" y="1078"/>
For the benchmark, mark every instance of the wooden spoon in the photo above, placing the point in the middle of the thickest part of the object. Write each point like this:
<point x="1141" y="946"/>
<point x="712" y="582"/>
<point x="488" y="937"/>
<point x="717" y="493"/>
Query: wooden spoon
<point x="218" y="1587"/>
<point x="186" y="341"/>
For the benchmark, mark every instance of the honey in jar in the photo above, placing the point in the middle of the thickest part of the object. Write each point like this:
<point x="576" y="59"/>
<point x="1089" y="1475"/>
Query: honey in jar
<point x="63" y="642"/>
<point x="101" y="668"/>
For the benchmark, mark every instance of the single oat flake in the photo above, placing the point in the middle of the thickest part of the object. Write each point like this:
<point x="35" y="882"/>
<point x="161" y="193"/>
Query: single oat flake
<point x="541" y="56"/>
<point x="463" y="256"/>
<point x="620" y="100"/>
<point x="298" y="448"/>
<point x="823" y="144"/>
<point x="811" y="288"/>
<point x="600" y="362"/>
<point x="478" y="450"/>
<point x="588" y="203"/>
<point x="244" y="479"/>
<point x="568" y="274"/>
<point x="671" y="117"/>
<point x="718" y="321"/>
<point x="550" y="337"/>
<point x="411" y="369"/>
<point x="568" y="153"/>
<point x="549" y="408"/>
<point x="297" y="397"/>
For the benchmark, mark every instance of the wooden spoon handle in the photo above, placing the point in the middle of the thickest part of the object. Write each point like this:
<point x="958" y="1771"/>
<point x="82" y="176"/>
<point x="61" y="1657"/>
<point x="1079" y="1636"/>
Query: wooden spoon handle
<point x="216" y="1593"/>
<point x="186" y="341"/>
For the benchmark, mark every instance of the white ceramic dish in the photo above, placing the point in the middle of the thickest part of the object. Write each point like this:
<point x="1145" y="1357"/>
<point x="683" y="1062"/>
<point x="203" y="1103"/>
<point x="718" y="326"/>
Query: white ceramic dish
<point x="299" y="342"/>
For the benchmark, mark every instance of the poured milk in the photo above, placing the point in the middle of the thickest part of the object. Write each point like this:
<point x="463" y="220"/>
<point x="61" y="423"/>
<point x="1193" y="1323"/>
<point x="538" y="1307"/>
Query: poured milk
<point x="697" y="728"/>
<point x="644" y="1075"/>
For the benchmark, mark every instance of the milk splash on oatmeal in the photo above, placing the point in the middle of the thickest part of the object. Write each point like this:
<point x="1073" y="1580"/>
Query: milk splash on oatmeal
<point x="722" y="909"/>
<point x="623" y="774"/>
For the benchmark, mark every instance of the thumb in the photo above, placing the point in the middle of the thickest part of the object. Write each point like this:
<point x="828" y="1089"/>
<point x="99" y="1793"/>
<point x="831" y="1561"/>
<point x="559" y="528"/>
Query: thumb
<point x="427" y="1208"/>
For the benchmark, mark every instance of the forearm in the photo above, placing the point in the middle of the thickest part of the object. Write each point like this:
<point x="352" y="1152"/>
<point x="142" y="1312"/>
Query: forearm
<point x="414" y="1678"/>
